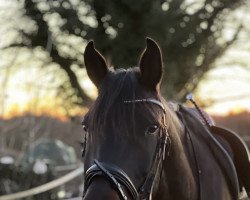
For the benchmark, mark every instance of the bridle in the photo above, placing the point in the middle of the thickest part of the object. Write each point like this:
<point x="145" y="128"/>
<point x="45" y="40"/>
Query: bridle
<point x="118" y="178"/>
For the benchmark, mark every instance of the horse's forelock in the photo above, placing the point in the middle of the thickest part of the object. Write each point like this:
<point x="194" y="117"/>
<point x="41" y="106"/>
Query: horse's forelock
<point x="118" y="87"/>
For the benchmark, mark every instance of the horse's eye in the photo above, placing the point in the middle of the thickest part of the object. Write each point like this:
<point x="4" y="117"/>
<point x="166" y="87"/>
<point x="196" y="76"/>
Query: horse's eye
<point x="85" y="128"/>
<point x="152" y="129"/>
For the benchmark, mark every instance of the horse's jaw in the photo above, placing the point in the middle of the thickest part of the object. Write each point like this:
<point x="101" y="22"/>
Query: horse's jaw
<point x="178" y="180"/>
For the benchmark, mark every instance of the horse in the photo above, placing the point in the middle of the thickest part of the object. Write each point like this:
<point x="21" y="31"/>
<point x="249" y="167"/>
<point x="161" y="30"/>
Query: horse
<point x="136" y="146"/>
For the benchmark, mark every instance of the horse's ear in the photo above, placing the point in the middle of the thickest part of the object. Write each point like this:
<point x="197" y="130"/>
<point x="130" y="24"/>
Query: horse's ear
<point x="151" y="65"/>
<point x="95" y="64"/>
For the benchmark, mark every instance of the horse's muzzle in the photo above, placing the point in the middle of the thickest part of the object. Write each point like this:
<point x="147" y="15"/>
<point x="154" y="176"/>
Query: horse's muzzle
<point x="117" y="178"/>
<point x="100" y="189"/>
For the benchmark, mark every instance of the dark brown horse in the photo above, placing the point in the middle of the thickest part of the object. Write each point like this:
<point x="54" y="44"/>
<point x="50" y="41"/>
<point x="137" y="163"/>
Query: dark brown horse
<point x="137" y="145"/>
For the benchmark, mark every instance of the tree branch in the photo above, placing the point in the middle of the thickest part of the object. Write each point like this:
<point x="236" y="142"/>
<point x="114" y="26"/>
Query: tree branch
<point x="43" y="38"/>
<point x="207" y="65"/>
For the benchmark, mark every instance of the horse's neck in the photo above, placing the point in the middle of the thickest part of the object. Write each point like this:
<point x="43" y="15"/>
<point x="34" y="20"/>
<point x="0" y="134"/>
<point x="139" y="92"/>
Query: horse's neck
<point x="178" y="174"/>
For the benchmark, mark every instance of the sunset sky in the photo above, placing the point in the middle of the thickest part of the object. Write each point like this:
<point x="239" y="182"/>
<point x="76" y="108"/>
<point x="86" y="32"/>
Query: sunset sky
<point x="228" y="84"/>
<point x="30" y="86"/>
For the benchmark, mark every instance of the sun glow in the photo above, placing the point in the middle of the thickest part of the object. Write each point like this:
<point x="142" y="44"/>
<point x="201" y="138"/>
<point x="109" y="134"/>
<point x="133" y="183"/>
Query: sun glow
<point x="32" y="81"/>
<point x="30" y="90"/>
<point x="228" y="90"/>
<point x="30" y="87"/>
<point x="50" y="106"/>
<point x="230" y="108"/>
<point x="47" y="107"/>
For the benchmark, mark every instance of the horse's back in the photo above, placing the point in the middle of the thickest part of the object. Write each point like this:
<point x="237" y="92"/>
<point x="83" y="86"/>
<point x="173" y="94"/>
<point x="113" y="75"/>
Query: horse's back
<point x="216" y="177"/>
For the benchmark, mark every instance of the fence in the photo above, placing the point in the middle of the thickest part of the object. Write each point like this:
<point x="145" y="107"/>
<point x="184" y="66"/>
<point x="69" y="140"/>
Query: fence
<point x="43" y="188"/>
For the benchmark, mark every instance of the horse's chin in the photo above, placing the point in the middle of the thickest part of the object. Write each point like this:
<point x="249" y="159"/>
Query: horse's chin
<point x="100" y="189"/>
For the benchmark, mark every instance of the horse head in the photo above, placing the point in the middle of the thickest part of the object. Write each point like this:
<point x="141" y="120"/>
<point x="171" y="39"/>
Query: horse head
<point x="126" y="128"/>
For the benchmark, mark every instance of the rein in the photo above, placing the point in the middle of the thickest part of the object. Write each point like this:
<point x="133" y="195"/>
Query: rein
<point x="118" y="178"/>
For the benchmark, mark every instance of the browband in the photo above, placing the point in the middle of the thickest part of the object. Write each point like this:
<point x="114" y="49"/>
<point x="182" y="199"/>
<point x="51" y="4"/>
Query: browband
<point x="150" y="100"/>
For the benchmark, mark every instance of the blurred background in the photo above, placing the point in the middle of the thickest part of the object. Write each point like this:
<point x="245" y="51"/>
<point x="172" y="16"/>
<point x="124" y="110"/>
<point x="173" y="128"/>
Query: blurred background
<point x="44" y="89"/>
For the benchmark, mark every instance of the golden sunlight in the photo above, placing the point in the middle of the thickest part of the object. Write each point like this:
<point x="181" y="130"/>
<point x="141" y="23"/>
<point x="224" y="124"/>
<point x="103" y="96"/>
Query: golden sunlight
<point x="227" y="87"/>
<point x="50" y="106"/>
<point x="228" y="108"/>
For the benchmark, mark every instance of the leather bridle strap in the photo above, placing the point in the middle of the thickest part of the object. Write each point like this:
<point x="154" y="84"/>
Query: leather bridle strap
<point x="150" y="100"/>
<point x="118" y="177"/>
<point x="160" y="152"/>
<point x="112" y="179"/>
<point x="163" y="143"/>
<point x="115" y="175"/>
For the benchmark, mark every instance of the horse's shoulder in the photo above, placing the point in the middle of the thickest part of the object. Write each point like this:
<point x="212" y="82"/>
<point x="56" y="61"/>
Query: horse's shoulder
<point x="203" y="140"/>
<point x="230" y="142"/>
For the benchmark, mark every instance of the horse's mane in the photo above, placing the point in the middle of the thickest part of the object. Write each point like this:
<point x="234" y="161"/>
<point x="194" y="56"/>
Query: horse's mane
<point x="117" y="87"/>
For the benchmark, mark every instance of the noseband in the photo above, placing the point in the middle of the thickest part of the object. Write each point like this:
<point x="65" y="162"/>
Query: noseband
<point x="119" y="179"/>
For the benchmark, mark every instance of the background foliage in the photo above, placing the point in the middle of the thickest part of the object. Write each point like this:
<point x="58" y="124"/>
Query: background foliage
<point x="190" y="34"/>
